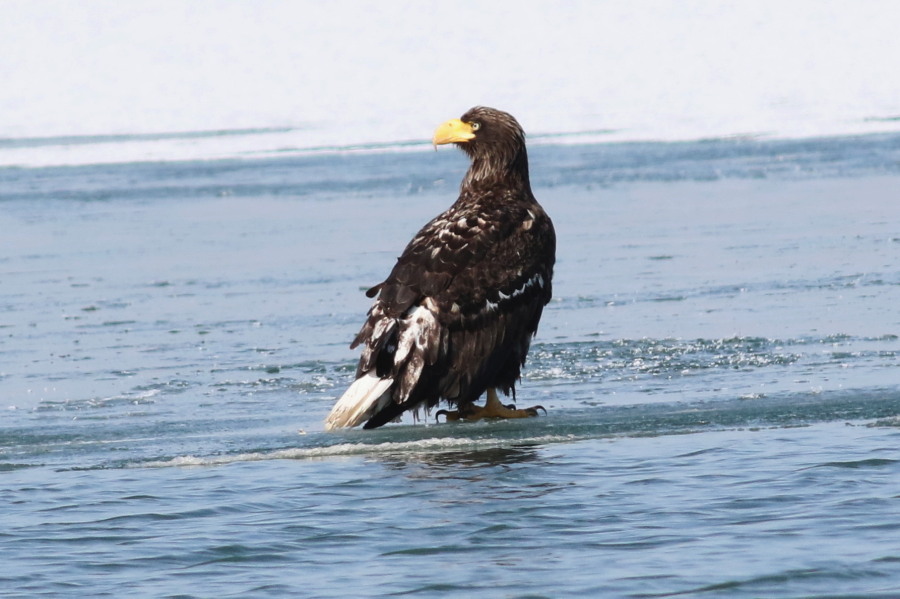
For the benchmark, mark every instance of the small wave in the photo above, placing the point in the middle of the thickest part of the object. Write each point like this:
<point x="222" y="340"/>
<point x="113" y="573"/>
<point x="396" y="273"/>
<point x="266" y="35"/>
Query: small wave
<point x="145" y="396"/>
<point x="12" y="466"/>
<point x="868" y="463"/>
<point x="854" y="281"/>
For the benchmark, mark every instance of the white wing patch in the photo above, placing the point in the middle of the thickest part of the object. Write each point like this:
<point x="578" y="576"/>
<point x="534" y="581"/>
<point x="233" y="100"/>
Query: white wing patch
<point x="537" y="279"/>
<point x="420" y="338"/>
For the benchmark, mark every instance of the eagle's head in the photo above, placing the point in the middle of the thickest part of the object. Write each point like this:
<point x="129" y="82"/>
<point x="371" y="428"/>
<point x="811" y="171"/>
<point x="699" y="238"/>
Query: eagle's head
<point x="493" y="139"/>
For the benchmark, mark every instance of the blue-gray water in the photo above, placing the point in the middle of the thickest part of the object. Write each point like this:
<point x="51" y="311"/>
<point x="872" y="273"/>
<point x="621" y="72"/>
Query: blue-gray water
<point x="719" y="364"/>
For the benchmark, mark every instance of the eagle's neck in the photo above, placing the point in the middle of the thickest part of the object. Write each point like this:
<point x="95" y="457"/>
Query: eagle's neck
<point x="505" y="169"/>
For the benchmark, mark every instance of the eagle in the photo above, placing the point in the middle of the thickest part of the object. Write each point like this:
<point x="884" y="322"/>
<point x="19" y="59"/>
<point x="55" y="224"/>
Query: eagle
<point x="455" y="317"/>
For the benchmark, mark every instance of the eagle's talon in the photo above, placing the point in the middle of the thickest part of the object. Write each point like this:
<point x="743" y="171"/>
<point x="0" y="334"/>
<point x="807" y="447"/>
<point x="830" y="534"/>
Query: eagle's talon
<point x="533" y="410"/>
<point x="450" y="416"/>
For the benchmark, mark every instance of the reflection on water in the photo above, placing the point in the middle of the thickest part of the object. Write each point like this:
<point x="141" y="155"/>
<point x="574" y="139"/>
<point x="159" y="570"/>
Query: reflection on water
<point x="470" y="458"/>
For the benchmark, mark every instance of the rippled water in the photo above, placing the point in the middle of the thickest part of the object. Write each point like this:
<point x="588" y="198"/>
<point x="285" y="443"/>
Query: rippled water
<point x="719" y="364"/>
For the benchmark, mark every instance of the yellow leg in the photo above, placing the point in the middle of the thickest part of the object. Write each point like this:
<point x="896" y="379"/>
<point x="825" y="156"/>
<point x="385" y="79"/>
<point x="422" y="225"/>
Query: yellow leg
<point x="492" y="409"/>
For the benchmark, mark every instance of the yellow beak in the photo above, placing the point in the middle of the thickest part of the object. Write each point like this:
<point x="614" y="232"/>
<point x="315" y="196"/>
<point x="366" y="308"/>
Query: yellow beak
<point x="453" y="131"/>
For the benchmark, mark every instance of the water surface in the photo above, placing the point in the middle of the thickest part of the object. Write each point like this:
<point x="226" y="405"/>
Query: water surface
<point x="719" y="364"/>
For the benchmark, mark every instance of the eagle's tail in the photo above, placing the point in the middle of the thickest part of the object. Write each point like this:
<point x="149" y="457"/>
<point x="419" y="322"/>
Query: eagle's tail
<point x="362" y="400"/>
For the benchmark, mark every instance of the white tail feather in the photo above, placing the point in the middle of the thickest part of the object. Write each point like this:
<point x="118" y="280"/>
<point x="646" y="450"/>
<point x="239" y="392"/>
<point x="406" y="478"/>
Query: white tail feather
<point x="366" y="396"/>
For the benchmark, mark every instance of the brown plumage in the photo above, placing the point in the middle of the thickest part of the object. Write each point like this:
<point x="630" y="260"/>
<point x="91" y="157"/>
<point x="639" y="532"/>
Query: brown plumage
<point x="456" y="315"/>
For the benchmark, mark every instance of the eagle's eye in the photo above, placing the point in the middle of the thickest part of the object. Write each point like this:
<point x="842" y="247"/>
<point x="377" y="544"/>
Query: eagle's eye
<point x="476" y="126"/>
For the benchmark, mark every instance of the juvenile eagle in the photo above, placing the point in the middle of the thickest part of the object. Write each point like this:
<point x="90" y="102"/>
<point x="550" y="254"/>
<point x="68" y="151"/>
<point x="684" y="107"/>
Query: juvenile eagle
<point x="456" y="315"/>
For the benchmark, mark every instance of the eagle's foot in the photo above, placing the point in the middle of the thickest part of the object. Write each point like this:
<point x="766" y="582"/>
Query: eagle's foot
<point x="491" y="409"/>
